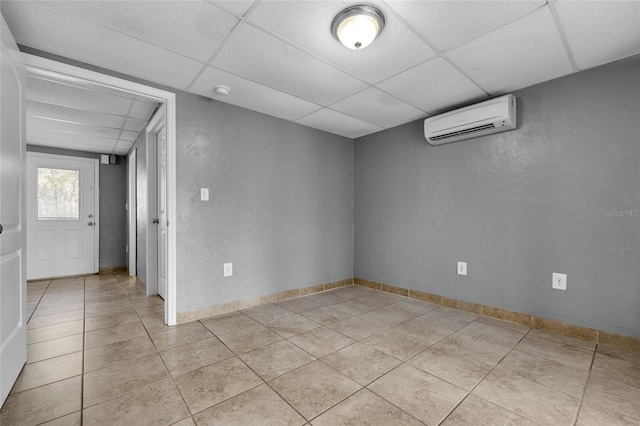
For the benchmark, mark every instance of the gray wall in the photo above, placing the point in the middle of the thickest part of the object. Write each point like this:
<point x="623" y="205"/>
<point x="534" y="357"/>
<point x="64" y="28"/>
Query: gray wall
<point x="113" y="197"/>
<point x="141" y="213"/>
<point x="281" y="206"/>
<point x="516" y="206"/>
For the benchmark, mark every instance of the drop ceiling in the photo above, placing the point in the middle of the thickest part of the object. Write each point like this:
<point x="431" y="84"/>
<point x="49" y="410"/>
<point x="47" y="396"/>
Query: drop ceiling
<point x="80" y="116"/>
<point x="279" y="57"/>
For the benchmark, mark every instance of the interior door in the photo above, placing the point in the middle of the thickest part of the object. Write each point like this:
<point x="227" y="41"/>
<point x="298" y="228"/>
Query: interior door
<point x="13" y="285"/>
<point x="62" y="218"/>
<point x="161" y="139"/>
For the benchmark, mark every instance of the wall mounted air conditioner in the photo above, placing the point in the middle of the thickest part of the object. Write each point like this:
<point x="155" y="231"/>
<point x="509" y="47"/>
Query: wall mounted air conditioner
<point x="492" y="116"/>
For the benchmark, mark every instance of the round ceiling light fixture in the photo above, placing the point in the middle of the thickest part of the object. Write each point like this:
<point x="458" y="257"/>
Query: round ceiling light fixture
<point x="357" y="26"/>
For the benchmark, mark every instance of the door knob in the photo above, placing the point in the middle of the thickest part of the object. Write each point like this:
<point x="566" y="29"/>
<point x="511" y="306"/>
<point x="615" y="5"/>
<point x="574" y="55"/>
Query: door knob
<point x="156" y="220"/>
<point x="1" y="229"/>
<point x="90" y="223"/>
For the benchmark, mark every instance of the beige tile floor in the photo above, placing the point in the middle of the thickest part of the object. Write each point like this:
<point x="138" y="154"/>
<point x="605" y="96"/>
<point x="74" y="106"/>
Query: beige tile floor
<point x="99" y="353"/>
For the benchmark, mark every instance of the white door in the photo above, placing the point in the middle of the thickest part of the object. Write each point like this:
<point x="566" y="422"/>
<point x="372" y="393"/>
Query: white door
<point x="13" y="285"/>
<point x="62" y="218"/>
<point x="161" y="139"/>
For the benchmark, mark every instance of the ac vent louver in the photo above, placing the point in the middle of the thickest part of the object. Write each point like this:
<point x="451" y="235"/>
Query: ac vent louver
<point x="484" y="118"/>
<point x="463" y="132"/>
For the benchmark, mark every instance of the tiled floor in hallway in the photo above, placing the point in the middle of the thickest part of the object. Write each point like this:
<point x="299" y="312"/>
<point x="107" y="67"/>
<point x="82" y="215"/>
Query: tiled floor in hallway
<point x="99" y="353"/>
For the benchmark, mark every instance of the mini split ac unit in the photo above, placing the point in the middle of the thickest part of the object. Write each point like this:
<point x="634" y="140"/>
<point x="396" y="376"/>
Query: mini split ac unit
<point x="492" y="116"/>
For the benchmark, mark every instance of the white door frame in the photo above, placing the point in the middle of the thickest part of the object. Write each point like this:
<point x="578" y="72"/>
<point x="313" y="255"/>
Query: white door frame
<point x="44" y="66"/>
<point x="96" y="201"/>
<point x="132" y="246"/>
<point x="157" y="121"/>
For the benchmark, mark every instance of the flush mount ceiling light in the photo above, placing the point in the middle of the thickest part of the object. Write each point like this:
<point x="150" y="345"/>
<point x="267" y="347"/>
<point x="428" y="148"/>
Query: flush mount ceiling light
<point x="357" y="26"/>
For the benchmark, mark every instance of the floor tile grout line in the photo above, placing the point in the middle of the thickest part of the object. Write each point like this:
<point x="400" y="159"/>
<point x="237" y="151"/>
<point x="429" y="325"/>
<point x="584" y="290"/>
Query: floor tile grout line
<point x="39" y="300"/>
<point x="84" y="337"/>
<point x="165" y="365"/>
<point x="482" y="379"/>
<point x="130" y="391"/>
<point x="584" y="389"/>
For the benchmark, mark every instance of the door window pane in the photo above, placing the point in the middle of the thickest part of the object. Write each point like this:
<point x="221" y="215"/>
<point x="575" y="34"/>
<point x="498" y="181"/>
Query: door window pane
<point x="58" y="193"/>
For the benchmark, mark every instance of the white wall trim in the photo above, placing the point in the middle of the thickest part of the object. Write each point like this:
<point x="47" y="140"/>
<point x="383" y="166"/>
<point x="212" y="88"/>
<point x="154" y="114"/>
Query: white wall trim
<point x="38" y="65"/>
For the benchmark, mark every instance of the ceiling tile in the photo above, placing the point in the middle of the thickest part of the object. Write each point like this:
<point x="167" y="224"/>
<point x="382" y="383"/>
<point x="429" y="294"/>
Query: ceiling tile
<point x="34" y="135"/>
<point x="40" y="109"/>
<point x="433" y="86"/>
<point x="447" y="24"/>
<point x="76" y="146"/>
<point x="197" y="27"/>
<point x="254" y="54"/>
<point x="237" y="7"/>
<point x="134" y="124"/>
<point x="377" y="107"/>
<point x="128" y="136"/>
<point x="307" y="24"/>
<point x="142" y="110"/>
<point x="76" y="97"/>
<point x="122" y="147"/>
<point x="251" y="95"/>
<point x="339" y="124"/>
<point x="67" y="127"/>
<point x="36" y="25"/>
<point x="517" y="55"/>
<point x="600" y="32"/>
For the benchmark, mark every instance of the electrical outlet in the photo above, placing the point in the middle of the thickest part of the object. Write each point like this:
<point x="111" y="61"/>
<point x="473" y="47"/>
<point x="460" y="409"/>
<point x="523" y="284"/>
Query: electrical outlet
<point x="204" y="194"/>
<point x="462" y="268"/>
<point x="559" y="281"/>
<point x="227" y="269"/>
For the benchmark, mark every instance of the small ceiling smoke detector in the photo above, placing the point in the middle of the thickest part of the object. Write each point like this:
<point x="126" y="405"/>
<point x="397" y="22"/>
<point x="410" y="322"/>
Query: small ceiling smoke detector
<point x="357" y="26"/>
<point x="222" y="90"/>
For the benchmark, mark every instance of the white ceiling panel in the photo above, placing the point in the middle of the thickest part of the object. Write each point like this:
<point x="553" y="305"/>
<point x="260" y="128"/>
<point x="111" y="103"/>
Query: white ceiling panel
<point x="68" y="127"/>
<point x="600" y="32"/>
<point x="74" y="146"/>
<point x="377" y="107"/>
<point x="142" y="110"/>
<point x="62" y="94"/>
<point x="306" y="24"/>
<point x="517" y="55"/>
<point x="248" y="94"/>
<point x="128" y="136"/>
<point x="338" y="123"/>
<point x="56" y="112"/>
<point x="65" y="35"/>
<point x="433" y="86"/>
<point x="36" y="133"/>
<point x="122" y="148"/>
<point x="134" y="124"/>
<point x="448" y="24"/>
<point x="236" y="7"/>
<point x="254" y="54"/>
<point x="196" y="29"/>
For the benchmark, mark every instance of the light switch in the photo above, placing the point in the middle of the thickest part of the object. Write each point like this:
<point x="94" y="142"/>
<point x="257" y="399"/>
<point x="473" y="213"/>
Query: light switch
<point x="204" y="194"/>
<point x="227" y="269"/>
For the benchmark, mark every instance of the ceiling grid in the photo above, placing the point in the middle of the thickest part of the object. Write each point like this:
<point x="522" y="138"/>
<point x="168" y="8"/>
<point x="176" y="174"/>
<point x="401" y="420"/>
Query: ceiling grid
<point x="280" y="58"/>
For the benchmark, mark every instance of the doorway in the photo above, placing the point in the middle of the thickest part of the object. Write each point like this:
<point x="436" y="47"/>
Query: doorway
<point x="43" y="66"/>
<point x="156" y="138"/>
<point x="62" y="216"/>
